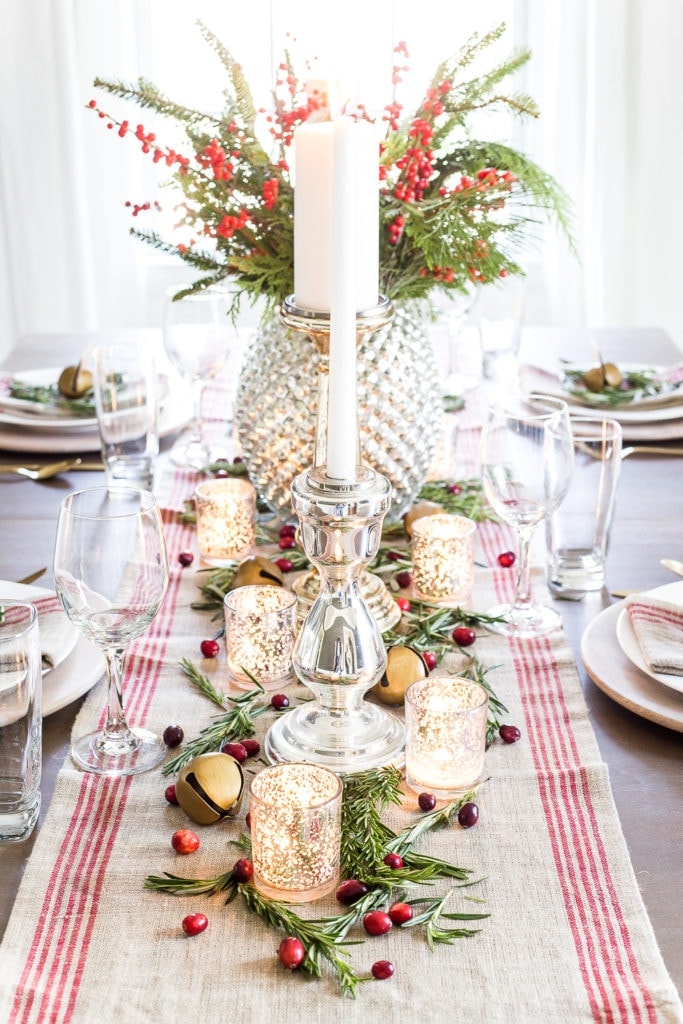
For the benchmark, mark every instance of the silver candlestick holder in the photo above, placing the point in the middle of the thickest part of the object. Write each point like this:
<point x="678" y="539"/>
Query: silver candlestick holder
<point x="339" y="653"/>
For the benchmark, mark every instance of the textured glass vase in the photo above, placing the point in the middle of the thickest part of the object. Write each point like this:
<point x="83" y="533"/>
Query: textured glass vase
<point x="399" y="408"/>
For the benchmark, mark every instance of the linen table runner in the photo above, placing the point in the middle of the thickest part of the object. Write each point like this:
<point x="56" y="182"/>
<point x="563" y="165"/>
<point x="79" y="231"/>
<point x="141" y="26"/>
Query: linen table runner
<point x="568" y="939"/>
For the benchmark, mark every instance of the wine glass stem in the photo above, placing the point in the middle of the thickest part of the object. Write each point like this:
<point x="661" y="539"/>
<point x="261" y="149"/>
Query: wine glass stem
<point x="116" y="725"/>
<point x="523" y="588"/>
<point x="197" y="429"/>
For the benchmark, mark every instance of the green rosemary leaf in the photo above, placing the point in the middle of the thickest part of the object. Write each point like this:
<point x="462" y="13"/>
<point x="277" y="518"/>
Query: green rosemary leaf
<point x="203" y="683"/>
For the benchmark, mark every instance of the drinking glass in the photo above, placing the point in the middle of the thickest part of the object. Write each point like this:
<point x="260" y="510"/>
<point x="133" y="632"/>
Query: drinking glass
<point x="111" y="575"/>
<point x="197" y="333"/>
<point x="527" y="456"/>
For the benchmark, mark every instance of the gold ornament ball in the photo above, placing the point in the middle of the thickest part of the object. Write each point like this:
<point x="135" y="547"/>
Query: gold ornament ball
<point x="404" y="666"/>
<point x="257" y="570"/>
<point x="423" y="508"/>
<point x="210" y="787"/>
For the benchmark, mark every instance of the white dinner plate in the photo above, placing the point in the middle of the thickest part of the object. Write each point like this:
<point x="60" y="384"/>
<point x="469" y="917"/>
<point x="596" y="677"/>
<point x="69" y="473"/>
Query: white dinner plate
<point x="628" y="641"/>
<point x="176" y="412"/>
<point x="672" y="392"/>
<point x="615" y="675"/>
<point x="29" y="592"/>
<point x="36" y="416"/>
<point x="78" y="670"/>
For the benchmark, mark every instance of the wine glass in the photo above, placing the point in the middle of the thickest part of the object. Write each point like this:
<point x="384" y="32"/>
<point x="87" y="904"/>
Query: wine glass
<point x="527" y="456"/>
<point x="197" y="333"/>
<point x="111" y="575"/>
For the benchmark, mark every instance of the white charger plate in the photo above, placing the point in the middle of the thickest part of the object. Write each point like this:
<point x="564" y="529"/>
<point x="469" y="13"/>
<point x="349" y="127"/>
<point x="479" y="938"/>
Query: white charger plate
<point x="176" y="412"/>
<point x="628" y="641"/>
<point x="79" y="669"/>
<point x="617" y="676"/>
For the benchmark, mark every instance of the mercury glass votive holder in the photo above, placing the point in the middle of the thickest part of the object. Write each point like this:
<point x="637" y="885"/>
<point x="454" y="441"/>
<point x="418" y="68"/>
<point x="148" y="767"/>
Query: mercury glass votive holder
<point x="295" y="823"/>
<point x="226" y="518"/>
<point x="445" y="720"/>
<point x="260" y="630"/>
<point x="443" y="557"/>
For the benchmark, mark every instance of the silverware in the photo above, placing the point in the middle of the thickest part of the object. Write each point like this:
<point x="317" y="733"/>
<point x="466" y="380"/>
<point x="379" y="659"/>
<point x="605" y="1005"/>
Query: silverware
<point x="645" y="449"/>
<point x="673" y="564"/>
<point x="33" y="576"/>
<point x="45" y="472"/>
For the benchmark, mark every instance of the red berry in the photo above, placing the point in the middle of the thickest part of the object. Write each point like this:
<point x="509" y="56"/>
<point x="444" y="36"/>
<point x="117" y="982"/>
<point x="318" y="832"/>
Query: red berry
<point x="429" y="659"/>
<point x="382" y="969"/>
<point x="221" y="474"/>
<point x="393" y="861"/>
<point x="404" y="579"/>
<point x="284" y="564"/>
<point x="506" y="559"/>
<point x="243" y="870"/>
<point x="185" y="841"/>
<point x="279" y="701"/>
<point x="252" y="747"/>
<point x="173" y="735"/>
<point x="468" y="815"/>
<point x="400" y="913"/>
<point x="286" y="543"/>
<point x="426" y="801"/>
<point x="395" y="556"/>
<point x="236" y="750"/>
<point x="186" y="558"/>
<point x="351" y="891"/>
<point x="169" y="793"/>
<point x="464" y="636"/>
<point x="509" y="733"/>
<point x="291" y="952"/>
<point x="288" y="530"/>
<point x="209" y="648"/>
<point x="193" y="924"/>
<point x="377" y="922"/>
<point x="403" y="603"/>
<point x="454" y="489"/>
<point x="247" y="820"/>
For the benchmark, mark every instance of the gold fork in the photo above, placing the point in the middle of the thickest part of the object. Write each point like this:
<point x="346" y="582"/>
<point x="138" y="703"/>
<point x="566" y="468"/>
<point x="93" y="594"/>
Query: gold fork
<point x="45" y="472"/>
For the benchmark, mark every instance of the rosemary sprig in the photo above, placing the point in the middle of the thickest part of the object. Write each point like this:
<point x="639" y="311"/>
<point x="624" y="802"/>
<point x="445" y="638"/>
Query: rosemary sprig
<point x="431" y="916"/>
<point x="364" y="835"/>
<point x="460" y="497"/>
<point x="204" y="684"/>
<point x="426" y="625"/>
<point x="478" y="673"/>
<point x="49" y="394"/>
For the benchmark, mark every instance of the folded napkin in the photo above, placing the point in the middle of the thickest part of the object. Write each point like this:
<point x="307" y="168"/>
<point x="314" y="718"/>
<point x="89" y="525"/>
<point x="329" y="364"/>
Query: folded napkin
<point x="658" y="626"/>
<point x="57" y="634"/>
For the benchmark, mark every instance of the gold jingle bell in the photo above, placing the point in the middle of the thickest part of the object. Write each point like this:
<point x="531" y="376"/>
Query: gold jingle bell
<point x="74" y="382"/>
<point x="404" y="666"/>
<point x="210" y="787"/>
<point x="423" y="508"/>
<point x="257" y="570"/>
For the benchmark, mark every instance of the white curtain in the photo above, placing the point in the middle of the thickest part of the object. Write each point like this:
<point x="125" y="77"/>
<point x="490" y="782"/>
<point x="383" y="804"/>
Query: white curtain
<point x="607" y="75"/>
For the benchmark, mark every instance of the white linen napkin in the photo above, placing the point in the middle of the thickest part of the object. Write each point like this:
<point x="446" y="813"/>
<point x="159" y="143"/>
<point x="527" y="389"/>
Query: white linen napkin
<point x="658" y="626"/>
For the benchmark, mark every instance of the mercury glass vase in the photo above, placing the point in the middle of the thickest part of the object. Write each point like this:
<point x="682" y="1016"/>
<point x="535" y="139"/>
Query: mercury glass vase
<point x="399" y="407"/>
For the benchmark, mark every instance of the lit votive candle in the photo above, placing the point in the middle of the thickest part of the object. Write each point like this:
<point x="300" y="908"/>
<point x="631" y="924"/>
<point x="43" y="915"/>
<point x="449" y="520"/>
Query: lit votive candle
<point x="295" y="822"/>
<point x="226" y="515"/>
<point x="260" y="630"/>
<point x="443" y="557"/>
<point x="445" y="734"/>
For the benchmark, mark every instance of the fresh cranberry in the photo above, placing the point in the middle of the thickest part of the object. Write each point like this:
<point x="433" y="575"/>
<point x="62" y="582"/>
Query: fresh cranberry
<point x="464" y="636"/>
<point x="169" y="793"/>
<point x="286" y="543"/>
<point x="284" y="564"/>
<point x="468" y="815"/>
<point x="426" y="801"/>
<point x="173" y="735"/>
<point x="291" y="952"/>
<point x="382" y="969"/>
<point x="186" y="558"/>
<point x="243" y="870"/>
<point x="404" y="579"/>
<point x="351" y="891"/>
<point x="454" y="488"/>
<point x="393" y="861"/>
<point x="236" y="750"/>
<point x="193" y="924"/>
<point x="237" y="460"/>
<point x="429" y="659"/>
<point x="247" y="820"/>
<point x="279" y="701"/>
<point x="252" y="747"/>
<point x="221" y="474"/>
<point x="506" y="559"/>
<point x="288" y="530"/>
<point x="509" y="733"/>
<point x="209" y="648"/>
<point x="377" y="922"/>
<point x="185" y="841"/>
<point x="403" y="603"/>
<point x="395" y="556"/>
<point x="400" y="913"/>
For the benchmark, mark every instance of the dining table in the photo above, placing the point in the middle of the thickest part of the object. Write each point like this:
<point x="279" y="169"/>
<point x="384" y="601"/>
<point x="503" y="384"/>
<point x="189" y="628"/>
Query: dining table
<point x="576" y="854"/>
